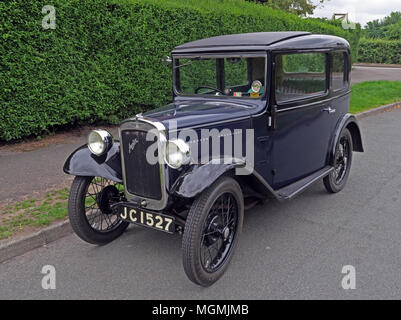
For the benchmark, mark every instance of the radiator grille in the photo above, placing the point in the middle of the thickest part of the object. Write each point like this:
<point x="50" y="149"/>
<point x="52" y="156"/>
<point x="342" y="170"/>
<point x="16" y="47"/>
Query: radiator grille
<point x="141" y="177"/>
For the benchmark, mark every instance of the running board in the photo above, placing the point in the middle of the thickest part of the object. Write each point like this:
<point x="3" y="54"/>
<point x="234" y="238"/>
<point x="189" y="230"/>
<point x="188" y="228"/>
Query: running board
<point x="292" y="190"/>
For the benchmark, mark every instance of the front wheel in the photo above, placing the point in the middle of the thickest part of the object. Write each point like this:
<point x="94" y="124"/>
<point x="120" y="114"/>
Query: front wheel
<point x="89" y="209"/>
<point x="337" y="179"/>
<point x="211" y="233"/>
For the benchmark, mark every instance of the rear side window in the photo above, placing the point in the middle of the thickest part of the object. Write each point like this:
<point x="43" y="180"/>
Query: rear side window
<point x="300" y="76"/>
<point x="338" y="76"/>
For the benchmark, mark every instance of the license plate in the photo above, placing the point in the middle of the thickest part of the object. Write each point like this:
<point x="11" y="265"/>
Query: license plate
<point x="148" y="219"/>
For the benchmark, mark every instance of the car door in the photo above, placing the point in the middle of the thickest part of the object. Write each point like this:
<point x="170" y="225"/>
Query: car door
<point x="303" y="115"/>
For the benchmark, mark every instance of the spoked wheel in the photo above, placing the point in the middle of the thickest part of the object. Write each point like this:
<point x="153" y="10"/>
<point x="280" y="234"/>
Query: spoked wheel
<point x="218" y="232"/>
<point x="211" y="232"/>
<point x="89" y="209"/>
<point x="337" y="179"/>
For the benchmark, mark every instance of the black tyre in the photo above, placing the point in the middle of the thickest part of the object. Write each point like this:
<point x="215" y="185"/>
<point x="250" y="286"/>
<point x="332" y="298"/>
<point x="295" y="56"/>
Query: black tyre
<point x="212" y="229"/>
<point x="89" y="209"/>
<point x="337" y="179"/>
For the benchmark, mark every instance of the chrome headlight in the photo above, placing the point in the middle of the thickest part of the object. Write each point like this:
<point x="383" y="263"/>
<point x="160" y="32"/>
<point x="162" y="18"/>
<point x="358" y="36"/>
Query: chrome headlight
<point x="177" y="153"/>
<point x="99" y="142"/>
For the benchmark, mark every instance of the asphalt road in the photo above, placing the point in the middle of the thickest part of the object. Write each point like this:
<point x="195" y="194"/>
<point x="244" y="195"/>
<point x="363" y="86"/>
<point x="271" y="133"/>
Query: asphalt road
<point x="294" y="250"/>
<point x="361" y="73"/>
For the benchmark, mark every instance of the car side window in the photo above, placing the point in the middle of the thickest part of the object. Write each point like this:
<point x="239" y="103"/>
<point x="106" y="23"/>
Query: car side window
<point x="338" y="76"/>
<point x="300" y="76"/>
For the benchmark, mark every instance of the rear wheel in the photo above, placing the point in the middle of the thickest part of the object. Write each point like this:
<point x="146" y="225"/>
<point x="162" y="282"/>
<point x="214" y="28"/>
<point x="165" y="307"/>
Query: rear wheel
<point x="211" y="233"/>
<point x="89" y="209"/>
<point x="337" y="179"/>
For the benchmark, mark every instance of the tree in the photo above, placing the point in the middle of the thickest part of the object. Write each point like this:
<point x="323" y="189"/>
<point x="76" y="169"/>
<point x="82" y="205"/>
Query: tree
<point x="393" y="31"/>
<point x="387" y="28"/>
<point x="298" y="7"/>
<point x="393" y="18"/>
<point x="373" y="30"/>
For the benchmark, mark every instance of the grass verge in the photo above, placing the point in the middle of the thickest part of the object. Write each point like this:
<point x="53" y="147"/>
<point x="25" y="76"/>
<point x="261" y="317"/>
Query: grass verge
<point x="33" y="213"/>
<point x="371" y="94"/>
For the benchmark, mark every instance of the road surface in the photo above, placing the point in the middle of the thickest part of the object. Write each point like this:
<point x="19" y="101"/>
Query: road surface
<point x="361" y="73"/>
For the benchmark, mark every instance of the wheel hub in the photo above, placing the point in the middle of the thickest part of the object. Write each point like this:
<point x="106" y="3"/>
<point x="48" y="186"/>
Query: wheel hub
<point x="341" y="161"/>
<point x="106" y="197"/>
<point x="226" y="233"/>
<point x="212" y="230"/>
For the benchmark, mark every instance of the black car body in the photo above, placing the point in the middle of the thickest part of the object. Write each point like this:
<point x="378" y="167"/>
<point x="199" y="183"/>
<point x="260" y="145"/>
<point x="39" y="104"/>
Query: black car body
<point x="293" y="94"/>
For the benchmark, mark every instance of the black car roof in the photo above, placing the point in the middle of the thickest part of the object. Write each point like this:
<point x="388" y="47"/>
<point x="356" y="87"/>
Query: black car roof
<point x="262" y="41"/>
<point x="243" y="39"/>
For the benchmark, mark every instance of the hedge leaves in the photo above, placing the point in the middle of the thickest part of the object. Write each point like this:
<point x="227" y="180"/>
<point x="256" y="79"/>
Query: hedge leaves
<point x="103" y="60"/>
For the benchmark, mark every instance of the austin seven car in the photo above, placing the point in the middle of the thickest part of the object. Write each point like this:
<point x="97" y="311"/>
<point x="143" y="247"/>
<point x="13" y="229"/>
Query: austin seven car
<point x="253" y="117"/>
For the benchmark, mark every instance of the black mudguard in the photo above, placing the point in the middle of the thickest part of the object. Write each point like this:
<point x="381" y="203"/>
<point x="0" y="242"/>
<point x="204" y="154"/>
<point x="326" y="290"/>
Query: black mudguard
<point x="348" y="121"/>
<point x="84" y="163"/>
<point x="199" y="177"/>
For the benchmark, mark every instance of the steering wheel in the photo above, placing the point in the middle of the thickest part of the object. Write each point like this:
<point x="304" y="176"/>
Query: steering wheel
<point x="211" y="88"/>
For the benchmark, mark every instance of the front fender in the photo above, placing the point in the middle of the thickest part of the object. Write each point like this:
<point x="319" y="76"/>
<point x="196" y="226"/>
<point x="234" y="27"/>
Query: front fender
<point x="84" y="163"/>
<point x="199" y="177"/>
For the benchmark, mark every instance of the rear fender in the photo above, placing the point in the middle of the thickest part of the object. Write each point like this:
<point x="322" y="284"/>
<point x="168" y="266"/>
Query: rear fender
<point x="348" y="121"/>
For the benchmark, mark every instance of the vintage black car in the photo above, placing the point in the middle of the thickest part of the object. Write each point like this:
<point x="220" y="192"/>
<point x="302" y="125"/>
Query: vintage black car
<point x="254" y="116"/>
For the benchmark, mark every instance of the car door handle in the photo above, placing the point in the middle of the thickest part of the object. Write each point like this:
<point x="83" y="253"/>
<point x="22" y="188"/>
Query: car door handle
<point x="330" y="110"/>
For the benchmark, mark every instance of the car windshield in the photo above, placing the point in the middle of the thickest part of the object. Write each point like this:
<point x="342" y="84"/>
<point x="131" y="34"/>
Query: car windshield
<point x="233" y="76"/>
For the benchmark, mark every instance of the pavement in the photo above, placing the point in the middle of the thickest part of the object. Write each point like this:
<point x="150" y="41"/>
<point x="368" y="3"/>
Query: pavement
<point x="38" y="171"/>
<point x="293" y="250"/>
<point x="30" y="174"/>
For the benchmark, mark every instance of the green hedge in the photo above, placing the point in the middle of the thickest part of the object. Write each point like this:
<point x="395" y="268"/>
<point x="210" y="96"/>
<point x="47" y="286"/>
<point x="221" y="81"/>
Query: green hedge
<point x="380" y="51"/>
<point x="103" y="60"/>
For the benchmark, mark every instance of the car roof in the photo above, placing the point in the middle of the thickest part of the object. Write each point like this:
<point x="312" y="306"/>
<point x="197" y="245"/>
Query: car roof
<point x="262" y="41"/>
